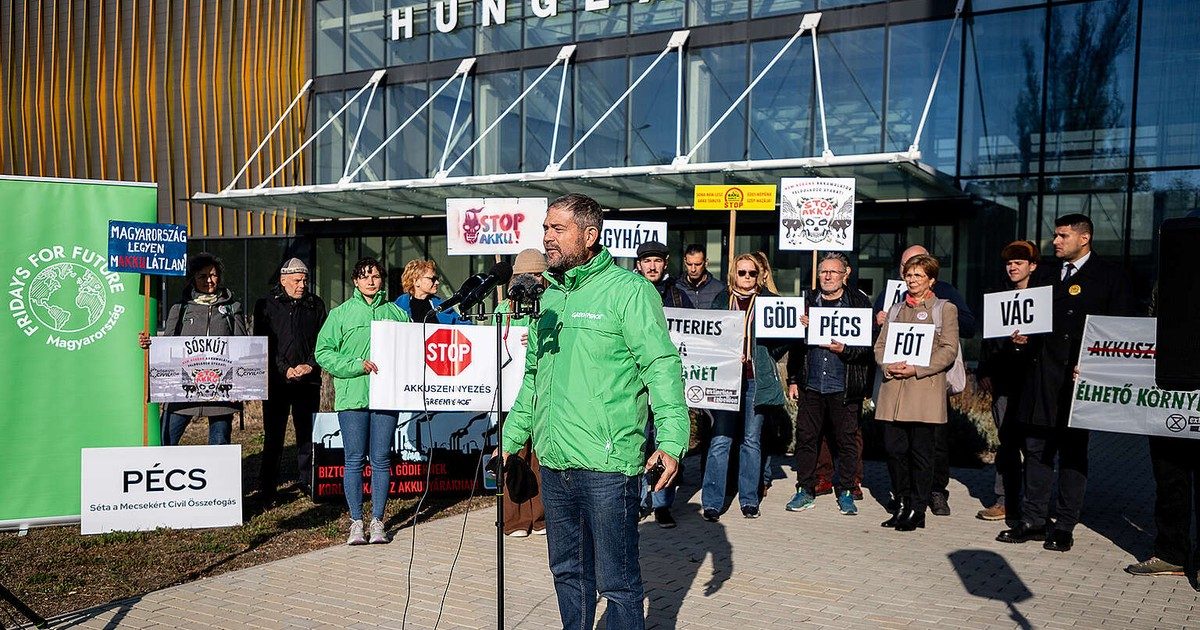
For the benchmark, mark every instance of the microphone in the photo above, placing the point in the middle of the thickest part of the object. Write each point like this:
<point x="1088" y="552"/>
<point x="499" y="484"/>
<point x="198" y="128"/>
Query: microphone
<point x="468" y="285"/>
<point x="468" y="297"/>
<point x="525" y="288"/>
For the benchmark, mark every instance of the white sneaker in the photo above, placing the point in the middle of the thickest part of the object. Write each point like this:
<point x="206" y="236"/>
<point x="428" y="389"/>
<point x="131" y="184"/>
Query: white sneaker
<point x="356" y="533"/>
<point x="540" y="532"/>
<point x="378" y="537"/>
<point x="520" y="533"/>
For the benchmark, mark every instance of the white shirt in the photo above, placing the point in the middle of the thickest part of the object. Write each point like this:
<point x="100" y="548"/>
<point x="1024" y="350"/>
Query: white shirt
<point x="1078" y="265"/>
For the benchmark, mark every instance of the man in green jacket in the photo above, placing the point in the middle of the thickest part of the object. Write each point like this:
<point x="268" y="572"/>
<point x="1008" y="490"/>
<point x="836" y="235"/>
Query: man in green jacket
<point x="597" y="356"/>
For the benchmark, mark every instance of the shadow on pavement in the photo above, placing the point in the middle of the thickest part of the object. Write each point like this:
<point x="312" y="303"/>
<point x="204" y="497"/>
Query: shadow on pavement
<point x="986" y="574"/>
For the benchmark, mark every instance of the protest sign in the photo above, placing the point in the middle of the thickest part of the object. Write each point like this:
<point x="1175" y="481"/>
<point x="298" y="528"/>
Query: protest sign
<point x="623" y="237"/>
<point x="743" y="197"/>
<point x="456" y="369"/>
<point x="710" y="345"/>
<point x="893" y="293"/>
<point x="778" y="317"/>
<point x="208" y="369"/>
<point x="1115" y="390"/>
<point x="181" y="487"/>
<point x="158" y="249"/>
<point x="851" y="326"/>
<point x="494" y="225"/>
<point x="816" y="213"/>
<point x="1026" y="310"/>
<point x="911" y="343"/>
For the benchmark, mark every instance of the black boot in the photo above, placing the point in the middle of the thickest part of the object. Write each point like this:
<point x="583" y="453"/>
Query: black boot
<point x="901" y="507"/>
<point x="911" y="519"/>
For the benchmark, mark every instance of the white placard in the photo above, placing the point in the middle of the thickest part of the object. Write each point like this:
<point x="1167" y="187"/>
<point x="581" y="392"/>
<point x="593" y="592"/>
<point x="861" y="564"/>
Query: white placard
<point x="851" y="326"/>
<point x="911" y="343"/>
<point x="1026" y="310"/>
<point x="623" y="237"/>
<point x="893" y="293"/>
<point x="778" y="317"/>
<point x="442" y="368"/>
<point x="143" y="488"/>
<point x="208" y="369"/>
<point x="816" y="213"/>
<point x="494" y="225"/>
<point x="710" y="346"/>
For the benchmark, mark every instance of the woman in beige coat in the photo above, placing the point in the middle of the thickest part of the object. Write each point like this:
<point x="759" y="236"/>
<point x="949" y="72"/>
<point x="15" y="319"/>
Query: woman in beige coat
<point x="912" y="400"/>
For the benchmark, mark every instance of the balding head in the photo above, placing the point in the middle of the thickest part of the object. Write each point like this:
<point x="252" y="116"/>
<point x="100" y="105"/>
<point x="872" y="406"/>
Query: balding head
<point x="915" y="250"/>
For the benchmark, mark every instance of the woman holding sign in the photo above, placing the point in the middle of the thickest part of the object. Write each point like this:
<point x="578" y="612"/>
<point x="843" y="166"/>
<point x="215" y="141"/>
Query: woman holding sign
<point x="912" y="399"/>
<point x="760" y="387"/>
<point x="344" y="350"/>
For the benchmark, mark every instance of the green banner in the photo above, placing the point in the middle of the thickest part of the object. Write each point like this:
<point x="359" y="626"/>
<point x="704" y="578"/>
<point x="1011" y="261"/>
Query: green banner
<point x="71" y="374"/>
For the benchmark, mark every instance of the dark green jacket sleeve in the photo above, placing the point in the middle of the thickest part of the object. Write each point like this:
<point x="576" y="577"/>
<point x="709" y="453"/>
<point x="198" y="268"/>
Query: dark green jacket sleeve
<point x="659" y="367"/>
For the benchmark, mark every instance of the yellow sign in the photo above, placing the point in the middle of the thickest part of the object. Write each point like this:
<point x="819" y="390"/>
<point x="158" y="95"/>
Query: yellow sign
<point x="749" y="197"/>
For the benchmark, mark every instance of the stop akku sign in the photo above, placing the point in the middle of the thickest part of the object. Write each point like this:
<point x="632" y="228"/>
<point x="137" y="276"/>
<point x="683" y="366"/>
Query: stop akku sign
<point x="447" y="352"/>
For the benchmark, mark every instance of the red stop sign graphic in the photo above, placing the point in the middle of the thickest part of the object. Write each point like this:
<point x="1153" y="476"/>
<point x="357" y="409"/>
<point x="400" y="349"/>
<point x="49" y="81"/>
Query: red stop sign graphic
<point x="447" y="352"/>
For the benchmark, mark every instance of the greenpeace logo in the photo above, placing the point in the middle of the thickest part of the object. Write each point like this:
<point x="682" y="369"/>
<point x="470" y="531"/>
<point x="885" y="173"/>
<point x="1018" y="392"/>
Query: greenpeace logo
<point x="586" y="315"/>
<point x="1122" y="349"/>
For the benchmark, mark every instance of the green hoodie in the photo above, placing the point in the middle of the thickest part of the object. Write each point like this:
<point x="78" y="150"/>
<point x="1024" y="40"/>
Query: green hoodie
<point x="597" y="355"/>
<point x="345" y="342"/>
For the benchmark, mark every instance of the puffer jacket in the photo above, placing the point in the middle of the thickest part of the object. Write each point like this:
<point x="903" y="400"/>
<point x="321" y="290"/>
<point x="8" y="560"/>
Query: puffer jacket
<point x="345" y="342"/>
<point x="189" y="318"/>
<point x="768" y="389"/>
<point x="859" y="360"/>
<point x="598" y="356"/>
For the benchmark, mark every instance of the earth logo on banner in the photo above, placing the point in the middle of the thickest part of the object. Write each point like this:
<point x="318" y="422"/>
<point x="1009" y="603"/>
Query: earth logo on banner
<point x="447" y="352"/>
<point x="817" y="214"/>
<point x="62" y="295"/>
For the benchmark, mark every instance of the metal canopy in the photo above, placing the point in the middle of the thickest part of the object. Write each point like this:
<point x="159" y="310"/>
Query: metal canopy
<point x="882" y="177"/>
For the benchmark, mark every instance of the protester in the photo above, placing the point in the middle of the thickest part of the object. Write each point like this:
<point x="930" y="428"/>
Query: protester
<point x="1084" y="285"/>
<point x="776" y="423"/>
<point x="768" y="278"/>
<point x="600" y="353"/>
<point x="939" y="499"/>
<point x="527" y="516"/>
<point x="1003" y="363"/>
<point x="290" y="318"/>
<point x="829" y="383"/>
<point x="760" y="386"/>
<point x="207" y="308"/>
<point x="912" y="399"/>
<point x="344" y="350"/>
<point x="699" y="285"/>
<point x="420" y="282"/>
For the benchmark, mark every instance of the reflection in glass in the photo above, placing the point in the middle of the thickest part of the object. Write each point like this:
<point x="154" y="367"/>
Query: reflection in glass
<point x="914" y="51"/>
<point x="540" y="106"/>
<point x="328" y="47"/>
<point x="716" y="11"/>
<point x="501" y="37"/>
<point x="498" y="152"/>
<point x="330" y="145"/>
<point x="852" y="71"/>
<point x="460" y="41"/>
<point x="463" y="128"/>
<point x="766" y="8"/>
<point x="1168" y="121"/>
<point x="658" y="15"/>
<point x="416" y="48"/>
<point x="652" y="114"/>
<point x="716" y="76"/>
<point x="605" y="80"/>
<point x="1157" y="197"/>
<point x="782" y="105"/>
<point x="407" y="155"/>
<point x="610" y="22"/>
<point x="556" y="29"/>
<point x="366" y="28"/>
<point x="1101" y="197"/>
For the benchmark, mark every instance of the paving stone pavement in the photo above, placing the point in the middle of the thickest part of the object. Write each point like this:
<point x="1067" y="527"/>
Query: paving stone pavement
<point x="816" y="569"/>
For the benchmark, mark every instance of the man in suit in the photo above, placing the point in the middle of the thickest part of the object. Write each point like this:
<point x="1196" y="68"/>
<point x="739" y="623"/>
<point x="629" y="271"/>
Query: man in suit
<point x="1084" y="284"/>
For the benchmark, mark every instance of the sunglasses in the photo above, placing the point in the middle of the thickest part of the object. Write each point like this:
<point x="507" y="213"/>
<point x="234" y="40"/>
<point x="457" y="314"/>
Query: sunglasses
<point x="753" y="273"/>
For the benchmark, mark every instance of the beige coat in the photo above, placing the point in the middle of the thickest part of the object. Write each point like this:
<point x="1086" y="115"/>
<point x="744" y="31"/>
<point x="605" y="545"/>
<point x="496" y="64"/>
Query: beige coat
<point x="921" y="398"/>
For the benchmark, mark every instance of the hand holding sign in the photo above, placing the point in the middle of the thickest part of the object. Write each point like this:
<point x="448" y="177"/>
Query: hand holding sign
<point x="911" y="344"/>
<point x="849" y="326"/>
<point x="779" y="318"/>
<point x="1028" y="311"/>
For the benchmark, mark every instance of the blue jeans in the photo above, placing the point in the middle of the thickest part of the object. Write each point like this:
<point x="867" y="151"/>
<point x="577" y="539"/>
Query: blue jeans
<point x="592" y="541"/>
<point x="728" y="425"/>
<point x="664" y="498"/>
<point x="362" y="428"/>
<point x="220" y="428"/>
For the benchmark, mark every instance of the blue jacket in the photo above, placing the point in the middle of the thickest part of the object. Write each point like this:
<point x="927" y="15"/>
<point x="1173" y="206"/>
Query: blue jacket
<point x="449" y="317"/>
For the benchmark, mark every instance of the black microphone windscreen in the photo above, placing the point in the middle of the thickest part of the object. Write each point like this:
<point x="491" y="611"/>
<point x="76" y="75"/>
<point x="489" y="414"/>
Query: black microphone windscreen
<point x="523" y="287"/>
<point x="503" y="272"/>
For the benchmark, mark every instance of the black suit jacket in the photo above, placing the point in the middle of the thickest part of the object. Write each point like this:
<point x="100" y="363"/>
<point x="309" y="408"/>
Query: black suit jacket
<point x="1099" y="287"/>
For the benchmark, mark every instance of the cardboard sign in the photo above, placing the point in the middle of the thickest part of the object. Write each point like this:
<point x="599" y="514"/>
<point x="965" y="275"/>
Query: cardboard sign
<point x="494" y="225"/>
<point x="743" y="197"/>
<point x="911" y="343"/>
<point x="1026" y="310"/>
<point x="142" y="488"/>
<point x="816" y="213"/>
<point x="442" y="368"/>
<point x="710" y="345"/>
<point x="623" y="237"/>
<point x="778" y="317"/>
<point x="158" y="249"/>
<point x="851" y="326"/>
<point x="1115" y="390"/>
<point x="893" y="293"/>
<point x="208" y="369"/>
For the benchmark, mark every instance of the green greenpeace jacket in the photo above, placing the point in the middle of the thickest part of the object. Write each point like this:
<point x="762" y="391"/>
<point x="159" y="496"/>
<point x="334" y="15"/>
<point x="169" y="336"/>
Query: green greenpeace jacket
<point x="597" y="355"/>
<point x="345" y="342"/>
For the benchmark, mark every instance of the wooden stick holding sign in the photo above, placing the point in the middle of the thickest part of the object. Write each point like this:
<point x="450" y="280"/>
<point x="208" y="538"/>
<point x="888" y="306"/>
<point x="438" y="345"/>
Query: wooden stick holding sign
<point x="910" y="343"/>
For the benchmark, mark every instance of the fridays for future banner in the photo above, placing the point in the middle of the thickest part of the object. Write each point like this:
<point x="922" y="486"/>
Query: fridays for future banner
<point x="710" y="345"/>
<point x="72" y="374"/>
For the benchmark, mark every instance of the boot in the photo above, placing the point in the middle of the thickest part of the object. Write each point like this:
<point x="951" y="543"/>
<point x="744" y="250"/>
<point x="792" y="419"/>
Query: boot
<point x="901" y="508"/>
<point x="911" y="519"/>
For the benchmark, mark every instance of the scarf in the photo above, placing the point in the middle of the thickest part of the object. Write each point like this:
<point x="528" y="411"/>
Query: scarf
<point x="205" y="299"/>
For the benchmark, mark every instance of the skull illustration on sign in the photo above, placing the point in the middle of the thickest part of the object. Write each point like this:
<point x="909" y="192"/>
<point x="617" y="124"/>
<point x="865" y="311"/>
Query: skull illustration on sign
<point x="817" y="214"/>
<point x="471" y="225"/>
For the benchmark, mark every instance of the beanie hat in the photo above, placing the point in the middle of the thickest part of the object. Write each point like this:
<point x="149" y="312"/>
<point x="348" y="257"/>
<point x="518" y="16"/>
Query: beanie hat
<point x="529" y="261"/>
<point x="293" y="265"/>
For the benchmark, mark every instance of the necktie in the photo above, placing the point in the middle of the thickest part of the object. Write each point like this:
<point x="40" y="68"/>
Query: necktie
<point x="1068" y="270"/>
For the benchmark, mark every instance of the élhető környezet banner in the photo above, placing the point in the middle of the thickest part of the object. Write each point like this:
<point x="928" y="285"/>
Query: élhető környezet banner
<point x="72" y="374"/>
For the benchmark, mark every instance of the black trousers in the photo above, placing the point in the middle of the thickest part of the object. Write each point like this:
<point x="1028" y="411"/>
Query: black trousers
<point x="910" y="455"/>
<point x="816" y="411"/>
<point x="941" y="459"/>
<point x="1176" y="464"/>
<point x="1042" y="445"/>
<point x="302" y="401"/>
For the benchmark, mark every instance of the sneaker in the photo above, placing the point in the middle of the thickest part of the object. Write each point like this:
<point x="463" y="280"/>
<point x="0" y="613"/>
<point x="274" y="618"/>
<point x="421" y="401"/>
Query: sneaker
<point x="845" y="502"/>
<point x="857" y="493"/>
<point x="378" y="536"/>
<point x="750" y="511"/>
<point x="520" y="533"/>
<point x="644" y="511"/>
<point x="539" y="532"/>
<point x="356" y="533"/>
<point x="712" y="516"/>
<point x="824" y="486"/>
<point x="663" y="517"/>
<point x="938" y="504"/>
<point x="801" y="501"/>
<point x="1154" y="566"/>
<point x="994" y="513"/>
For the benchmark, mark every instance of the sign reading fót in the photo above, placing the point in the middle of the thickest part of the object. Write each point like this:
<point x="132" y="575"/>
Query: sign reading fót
<point x="208" y="369"/>
<point x="911" y="343"/>
<point x="850" y="326"/>
<point x="181" y="487"/>
<point x="710" y="346"/>
<point x="778" y="317"/>
<point x="622" y="238"/>
<point x="816" y="213"/>
<point x="151" y="248"/>
<point x="1027" y="311"/>
<point x="494" y="225"/>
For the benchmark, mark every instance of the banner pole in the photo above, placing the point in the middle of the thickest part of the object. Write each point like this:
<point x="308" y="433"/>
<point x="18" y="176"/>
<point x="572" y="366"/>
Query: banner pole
<point x="814" y="271"/>
<point x="146" y="362"/>
<point x="732" y="235"/>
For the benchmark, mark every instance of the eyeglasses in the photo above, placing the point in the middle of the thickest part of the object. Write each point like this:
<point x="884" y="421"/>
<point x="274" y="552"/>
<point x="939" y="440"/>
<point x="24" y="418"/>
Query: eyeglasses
<point x="753" y="273"/>
<point x="830" y="272"/>
<point x="432" y="279"/>
<point x="208" y="276"/>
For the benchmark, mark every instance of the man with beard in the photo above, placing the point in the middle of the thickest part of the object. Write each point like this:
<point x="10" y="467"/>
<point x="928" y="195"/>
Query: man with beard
<point x="598" y="357"/>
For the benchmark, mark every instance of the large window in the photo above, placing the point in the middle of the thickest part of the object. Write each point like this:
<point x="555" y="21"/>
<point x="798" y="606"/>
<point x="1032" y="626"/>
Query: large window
<point x="653" y="105"/>
<point x="500" y="150"/>
<point x="541" y="106"/>
<point x="605" y="80"/>
<point x="716" y="76"/>
<point x="330" y="147"/>
<point x="365" y="34"/>
<point x="913" y="54"/>
<point x="407" y="153"/>
<point x="453" y="125"/>
<point x="1168" y="120"/>
<point x="329" y="37"/>
<point x="852" y="65"/>
<point x="782" y="105"/>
